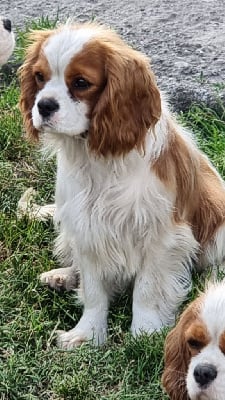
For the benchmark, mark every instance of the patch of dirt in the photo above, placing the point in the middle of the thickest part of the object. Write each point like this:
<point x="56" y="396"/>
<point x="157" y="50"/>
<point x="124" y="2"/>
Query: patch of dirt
<point x="185" y="39"/>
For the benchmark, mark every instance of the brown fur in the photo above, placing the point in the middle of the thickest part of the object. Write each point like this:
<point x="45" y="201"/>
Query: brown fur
<point x="93" y="71"/>
<point x="130" y="99"/>
<point x="178" y="354"/>
<point x="28" y="84"/>
<point x="197" y="331"/>
<point x="199" y="191"/>
<point x="222" y="343"/>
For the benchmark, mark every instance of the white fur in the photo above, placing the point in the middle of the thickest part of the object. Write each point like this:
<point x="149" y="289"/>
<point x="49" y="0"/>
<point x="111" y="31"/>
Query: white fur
<point x="60" y="278"/>
<point x="7" y="42"/>
<point x="216" y="250"/>
<point x="213" y="315"/>
<point x="63" y="46"/>
<point x="115" y="216"/>
<point x="120" y="228"/>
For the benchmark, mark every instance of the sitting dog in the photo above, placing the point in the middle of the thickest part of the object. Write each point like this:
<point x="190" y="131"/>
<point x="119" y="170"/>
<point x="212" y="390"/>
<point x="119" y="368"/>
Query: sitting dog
<point x="7" y="40"/>
<point x="195" y="349"/>
<point x="135" y="198"/>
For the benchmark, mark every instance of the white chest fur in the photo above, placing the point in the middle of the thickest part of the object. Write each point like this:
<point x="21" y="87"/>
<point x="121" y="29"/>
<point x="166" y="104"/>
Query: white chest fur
<point x="112" y="209"/>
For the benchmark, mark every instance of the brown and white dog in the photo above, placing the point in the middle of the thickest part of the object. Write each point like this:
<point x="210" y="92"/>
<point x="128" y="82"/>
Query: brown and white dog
<point x="195" y="350"/>
<point x="135" y="198"/>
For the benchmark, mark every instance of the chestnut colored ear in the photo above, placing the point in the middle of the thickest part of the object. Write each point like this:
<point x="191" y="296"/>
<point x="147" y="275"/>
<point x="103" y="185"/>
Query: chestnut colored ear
<point x="129" y="105"/>
<point x="176" y="365"/>
<point x="177" y="356"/>
<point x="27" y="82"/>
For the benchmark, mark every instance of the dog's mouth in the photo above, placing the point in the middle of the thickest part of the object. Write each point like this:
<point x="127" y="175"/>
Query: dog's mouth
<point x="84" y="135"/>
<point x="203" y="396"/>
<point x="46" y="126"/>
<point x="49" y="127"/>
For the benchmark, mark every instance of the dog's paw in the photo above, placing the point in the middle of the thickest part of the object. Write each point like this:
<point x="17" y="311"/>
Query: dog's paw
<point x="71" y="339"/>
<point x="96" y="335"/>
<point x="60" y="279"/>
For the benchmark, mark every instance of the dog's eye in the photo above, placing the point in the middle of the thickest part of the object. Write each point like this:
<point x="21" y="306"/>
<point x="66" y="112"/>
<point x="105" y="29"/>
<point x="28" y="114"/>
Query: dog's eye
<point x="81" y="84"/>
<point x="195" y="344"/>
<point x="39" y="77"/>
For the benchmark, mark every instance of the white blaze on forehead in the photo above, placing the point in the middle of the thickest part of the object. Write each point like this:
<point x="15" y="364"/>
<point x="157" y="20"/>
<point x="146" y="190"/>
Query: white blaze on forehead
<point x="213" y="310"/>
<point x="64" y="45"/>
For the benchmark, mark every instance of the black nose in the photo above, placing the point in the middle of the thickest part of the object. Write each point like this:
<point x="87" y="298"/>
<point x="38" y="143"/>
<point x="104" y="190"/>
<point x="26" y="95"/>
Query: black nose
<point x="47" y="107"/>
<point x="205" y="374"/>
<point x="7" y="24"/>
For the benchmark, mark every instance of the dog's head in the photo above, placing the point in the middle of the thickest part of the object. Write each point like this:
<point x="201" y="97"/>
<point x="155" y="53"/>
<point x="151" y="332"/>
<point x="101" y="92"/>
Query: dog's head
<point x="7" y="40"/>
<point x="195" y="350"/>
<point x="84" y="80"/>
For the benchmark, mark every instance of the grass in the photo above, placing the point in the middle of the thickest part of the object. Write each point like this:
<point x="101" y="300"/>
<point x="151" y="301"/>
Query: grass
<point x="31" y="366"/>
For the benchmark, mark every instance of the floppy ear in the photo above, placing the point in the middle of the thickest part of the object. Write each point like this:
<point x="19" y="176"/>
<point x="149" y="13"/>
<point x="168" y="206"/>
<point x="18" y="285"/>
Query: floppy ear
<point x="128" y="106"/>
<point x="28" y="85"/>
<point x="177" y="357"/>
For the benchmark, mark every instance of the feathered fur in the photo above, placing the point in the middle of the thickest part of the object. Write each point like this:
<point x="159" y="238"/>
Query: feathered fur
<point x="135" y="198"/>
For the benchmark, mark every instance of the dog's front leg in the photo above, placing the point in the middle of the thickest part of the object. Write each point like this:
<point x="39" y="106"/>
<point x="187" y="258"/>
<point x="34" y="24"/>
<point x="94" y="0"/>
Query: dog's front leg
<point x="93" y="323"/>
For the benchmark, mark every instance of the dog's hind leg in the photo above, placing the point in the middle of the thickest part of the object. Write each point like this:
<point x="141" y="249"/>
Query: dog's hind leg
<point x="164" y="280"/>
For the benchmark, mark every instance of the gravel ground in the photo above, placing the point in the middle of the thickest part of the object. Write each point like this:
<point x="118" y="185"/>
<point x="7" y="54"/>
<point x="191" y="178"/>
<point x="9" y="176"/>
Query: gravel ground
<point x="185" y="39"/>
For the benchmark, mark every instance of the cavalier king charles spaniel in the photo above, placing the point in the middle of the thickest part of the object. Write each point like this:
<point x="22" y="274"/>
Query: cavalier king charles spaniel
<point x="195" y="349"/>
<point x="136" y="201"/>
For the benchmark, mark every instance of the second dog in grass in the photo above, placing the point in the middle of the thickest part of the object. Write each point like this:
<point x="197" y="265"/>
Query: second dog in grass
<point x="7" y="40"/>
<point x="195" y="349"/>
<point x="135" y="198"/>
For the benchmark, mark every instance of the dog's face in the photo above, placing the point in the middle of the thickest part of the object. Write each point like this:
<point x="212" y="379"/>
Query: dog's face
<point x="84" y="80"/>
<point x="195" y="350"/>
<point x="69" y="79"/>
<point x="206" y="372"/>
<point x="7" y="40"/>
<point x="206" y="341"/>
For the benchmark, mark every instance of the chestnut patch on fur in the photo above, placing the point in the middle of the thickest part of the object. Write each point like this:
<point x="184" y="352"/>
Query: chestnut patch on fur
<point x="197" y="337"/>
<point x="88" y="65"/>
<point x="41" y="71"/>
<point x="28" y="83"/>
<point x="199" y="193"/>
<point x="222" y="342"/>
<point x="178" y="352"/>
